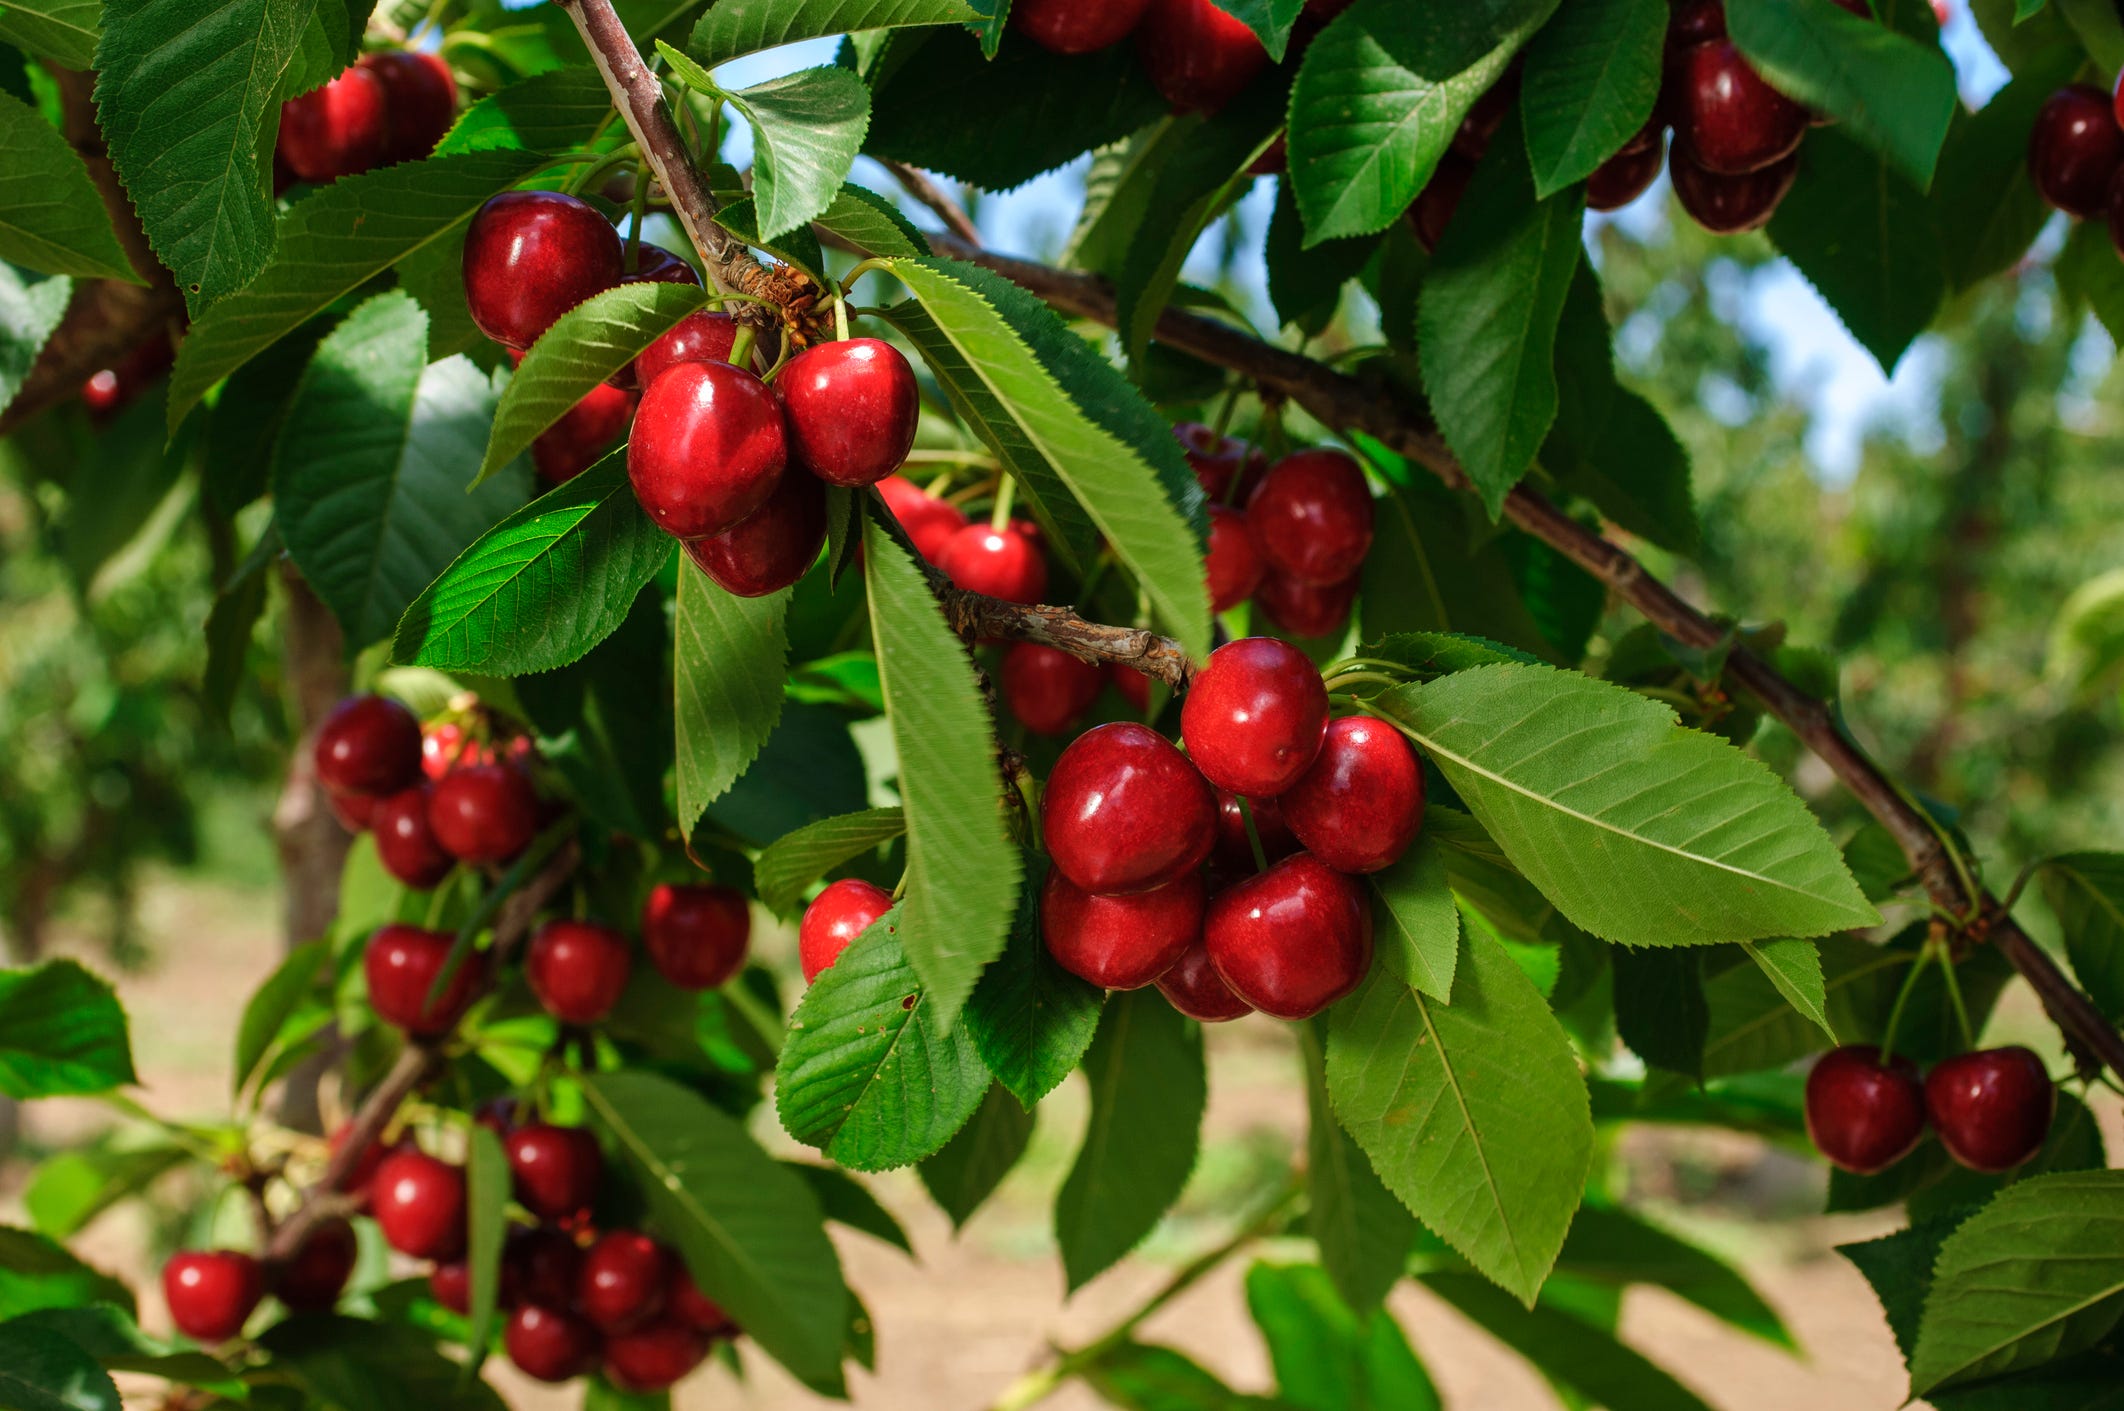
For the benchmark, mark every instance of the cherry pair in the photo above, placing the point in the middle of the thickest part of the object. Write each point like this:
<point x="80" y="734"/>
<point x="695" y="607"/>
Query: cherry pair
<point x="1197" y="54"/>
<point x="392" y="106"/>
<point x="1992" y="1107"/>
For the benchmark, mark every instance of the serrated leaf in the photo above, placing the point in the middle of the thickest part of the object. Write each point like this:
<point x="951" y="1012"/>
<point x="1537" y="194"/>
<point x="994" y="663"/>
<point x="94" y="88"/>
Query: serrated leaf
<point x="1415" y="926"/>
<point x="1031" y="1019"/>
<point x="1431" y="571"/>
<point x="40" y="1372"/>
<point x="486" y="1201"/>
<point x="793" y="862"/>
<point x="1660" y="1010"/>
<point x="966" y="1170"/>
<point x="29" y="311"/>
<point x="1591" y="79"/>
<point x="1795" y="968"/>
<point x="64" y="31"/>
<point x="1148" y="1089"/>
<point x="548" y="112"/>
<point x="1307" y="284"/>
<point x="2086" y="891"/>
<point x="806" y="130"/>
<point x="270" y="1008"/>
<point x="1570" y="1351"/>
<point x="1640" y="831"/>
<point x="733" y="28"/>
<point x="1613" y="1246"/>
<point x="1754" y="1027"/>
<point x="1362" y="1231"/>
<point x="342" y="1361"/>
<point x="873" y="224"/>
<point x="36" y="1273"/>
<point x="1270" y="20"/>
<point x="51" y="217"/>
<point x="728" y="660"/>
<point x="62" y="1032"/>
<point x="1474" y="1115"/>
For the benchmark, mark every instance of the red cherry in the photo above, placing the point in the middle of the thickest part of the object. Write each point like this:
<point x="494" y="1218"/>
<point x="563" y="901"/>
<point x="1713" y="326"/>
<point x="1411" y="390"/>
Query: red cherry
<point x="1047" y="688"/>
<point x="368" y="745"/>
<point x="550" y="1344"/>
<point x="1860" y="1115"/>
<point x="1194" y="987"/>
<point x="555" y="1170"/>
<point x="355" y="812"/>
<point x="102" y="393"/>
<point x="1694" y="22"/>
<point x="1133" y="685"/>
<point x="451" y="1285"/>
<point x="1433" y="208"/>
<point x="836" y="917"/>
<point x="483" y="813"/>
<point x="1728" y="119"/>
<point x="1197" y="55"/>
<point x="930" y="522"/>
<point x="1254" y="716"/>
<point x="578" y="969"/>
<point x="1076" y="26"/>
<point x="1234" y="852"/>
<point x="445" y="746"/>
<point x="337" y="130"/>
<point x="708" y="448"/>
<point x="1630" y="173"/>
<point x="1311" y="516"/>
<point x="110" y="388"/>
<point x="622" y="1281"/>
<point x="1220" y="463"/>
<point x="540" y="1265"/>
<point x="1306" y="609"/>
<point x="652" y="1358"/>
<point x="211" y="1294"/>
<point x="584" y="433"/>
<point x="401" y="964"/>
<point x="703" y="336"/>
<point x="653" y="264"/>
<point x="1234" y="564"/>
<point x="314" y="1278"/>
<point x="1124" y="811"/>
<point x="1120" y="943"/>
<point x="1728" y="205"/>
<point x="1293" y="940"/>
<point x="419" y="1203"/>
<point x="530" y="256"/>
<point x="1003" y="563"/>
<point x="696" y="935"/>
<point x="685" y="1301"/>
<point x="852" y="408"/>
<point x="2075" y="148"/>
<point x="363" y="1171"/>
<point x="773" y="546"/>
<point x="1359" y="806"/>
<point x="405" y="843"/>
<point x="1992" y="1108"/>
<point x="420" y="100"/>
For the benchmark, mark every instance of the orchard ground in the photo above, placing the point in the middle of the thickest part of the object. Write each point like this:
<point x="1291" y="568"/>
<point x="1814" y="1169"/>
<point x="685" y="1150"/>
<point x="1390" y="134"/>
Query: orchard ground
<point x="969" y="1313"/>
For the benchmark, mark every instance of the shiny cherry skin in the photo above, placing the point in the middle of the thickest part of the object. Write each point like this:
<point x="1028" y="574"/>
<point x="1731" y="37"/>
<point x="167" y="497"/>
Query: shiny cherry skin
<point x="703" y="336"/>
<point x="368" y="745"/>
<point x="1124" y="942"/>
<point x="1992" y="1108"/>
<point x="852" y="407"/>
<point x="1194" y="987"/>
<point x="530" y="256"/>
<point x="684" y="1301"/>
<point x="1728" y="119"/>
<point x="1311" y="516"/>
<point x="1433" y="208"/>
<point x="1048" y="689"/>
<point x="1133" y="685"/>
<point x="317" y="1274"/>
<point x="1861" y="1115"/>
<point x="420" y="100"/>
<point x="212" y="1293"/>
<point x="836" y="916"/>
<point x="1003" y="563"/>
<point x="1234" y="851"/>
<point x="1306" y="609"/>
<point x="1196" y="54"/>
<point x="578" y="969"/>
<point x="1076" y="26"/>
<point x="1728" y="205"/>
<point x="540" y="1265"/>
<point x="622" y="1281"/>
<point x="930" y="522"/>
<point x="653" y="264"/>
<point x="483" y="813"/>
<point x="405" y="844"/>
<point x="1628" y="174"/>
<point x="773" y="546"/>
<point x="1124" y="811"/>
<point x="1233" y="564"/>
<point x="340" y="129"/>
<point x="444" y="746"/>
<point x="550" y="1344"/>
<point x="555" y="1170"/>
<point x="401" y="964"/>
<point x="1225" y="466"/>
<point x="1254" y="716"/>
<point x="419" y="1203"/>
<point x="696" y="935"/>
<point x="709" y="447"/>
<point x="583" y="434"/>
<point x="1293" y="940"/>
<point x="2075" y="148"/>
<point x="1359" y="806"/>
<point x="655" y="1357"/>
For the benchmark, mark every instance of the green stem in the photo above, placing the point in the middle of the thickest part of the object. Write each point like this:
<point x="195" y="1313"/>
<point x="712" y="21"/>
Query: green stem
<point x="1253" y="834"/>
<point x="1954" y="995"/>
<point x="766" y="1024"/>
<point x="1352" y="677"/>
<point x="1229" y="408"/>
<point x="1902" y="998"/>
<point x="1006" y="492"/>
<point x="1029" y="790"/>
<point x="741" y="345"/>
<point x="840" y="318"/>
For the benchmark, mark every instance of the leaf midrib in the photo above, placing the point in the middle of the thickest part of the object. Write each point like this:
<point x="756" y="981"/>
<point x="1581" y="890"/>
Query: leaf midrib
<point x="1474" y="1131"/>
<point x="2026" y="1330"/>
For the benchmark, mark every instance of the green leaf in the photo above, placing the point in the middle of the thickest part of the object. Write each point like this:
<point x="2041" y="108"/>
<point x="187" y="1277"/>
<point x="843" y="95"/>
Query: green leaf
<point x="1591" y="79"/>
<point x="748" y="1226"/>
<point x="348" y="1362"/>
<point x="846" y="1201"/>
<point x="1362" y="1231"/>
<point x="1414" y="922"/>
<point x="1378" y="98"/>
<point x="732" y="28"/>
<point x="728" y="661"/>
<point x="1660" y="1010"/>
<point x="39" y="1372"/>
<point x="1138" y="1377"/>
<point x="36" y="1272"/>
<point x="605" y="722"/>
<point x="867" y="1075"/>
<point x="542" y="587"/>
<point x="1890" y="92"/>
<point x="487" y="1202"/>
<point x="1795" y="968"/>
<point x="331" y="244"/>
<point x="1985" y="205"/>
<point x="2090" y="276"/>
<point x="806" y="130"/>
<point x="873" y="224"/>
<point x="1270" y="20"/>
<point x="1031" y="1019"/>
<point x="1148" y="1088"/>
<point x="791" y="864"/>
<point x="1432" y="571"/>
<point x="549" y="112"/>
<point x="64" y="31"/>
<point x="808" y="771"/>
<point x="1306" y="285"/>
<point x="2036" y="1275"/>
<point x="29" y="311"/>
<point x="966" y="1170"/>
<point x="1474" y="1115"/>
<point x="1640" y="831"/>
<point x="108" y="1335"/>
<point x="1755" y="1027"/>
<point x="72" y="1188"/>
<point x="62" y="1032"/>
<point x="1327" y="1357"/>
<point x="51" y="217"/>
<point x="962" y="869"/>
<point x="270" y="1008"/>
<point x="2086" y="891"/>
<point x="1573" y="1353"/>
<point x="1613" y="1246"/>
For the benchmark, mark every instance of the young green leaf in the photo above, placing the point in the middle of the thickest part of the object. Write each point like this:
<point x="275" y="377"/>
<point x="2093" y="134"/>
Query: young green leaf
<point x="966" y="1170"/>
<point x="547" y="112"/>
<point x="62" y="1032"/>
<point x="1327" y="1355"/>
<point x="737" y="27"/>
<point x="1592" y="77"/>
<point x="64" y="31"/>
<point x="2086" y="891"/>
<point x="1611" y="1245"/>
<point x="1795" y="967"/>
<point x="1414" y="923"/>
<point x="270" y="1008"/>
<point x="487" y="1202"/>
<point x="1031" y="1019"/>
<point x="729" y="654"/>
<point x="806" y="130"/>
<point x="1568" y="1350"/>
<point x="1362" y="1231"/>
<point x="794" y="861"/>
<point x="37" y="1272"/>
<point x="51" y="218"/>
<point x="29" y="312"/>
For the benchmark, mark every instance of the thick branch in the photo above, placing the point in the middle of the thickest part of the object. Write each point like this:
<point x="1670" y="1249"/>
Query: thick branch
<point x="974" y="616"/>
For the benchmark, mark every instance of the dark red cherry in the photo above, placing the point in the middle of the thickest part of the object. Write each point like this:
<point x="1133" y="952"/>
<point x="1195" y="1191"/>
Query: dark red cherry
<point x="696" y="935"/>
<point x="708" y="448"/>
<point x="483" y="813"/>
<point x="703" y="336"/>
<point x="451" y="1285"/>
<point x="368" y="745"/>
<point x="622" y="1281"/>
<point x="1124" y="811"/>
<point x="1305" y="609"/>
<point x="314" y="1278"/>
<point x="1234" y="565"/>
<point x="584" y="433"/>
<point x="212" y="1294"/>
<point x="1125" y="942"/>
<point x="419" y="1203"/>
<point x="555" y="1170"/>
<point x="1292" y="940"/>
<point x="773" y="546"/>
<point x="653" y="264"/>
<point x="1860" y="1115"/>
<point x="401" y="964"/>
<point x="1194" y="987"/>
<point x="1076" y="26"/>
<point x="929" y="521"/>
<point x="338" y="130"/>
<point x="1628" y="174"/>
<point x="655" y="1357"/>
<point x="578" y="969"/>
<point x="1728" y="205"/>
<point x="2075" y="148"/>
<point x="1311" y="516"/>
<point x="1694" y="22"/>
<point x="405" y="844"/>
<point x="852" y="408"/>
<point x="1359" y="806"/>
<point x="1254" y="716"/>
<point x="1727" y="118"/>
<point x="420" y="100"/>
<point x="1047" y="688"/>
<point x="1197" y="55"/>
<point x="684" y="1301"/>
<point x="530" y="256"/>
<point x="836" y="917"/>
<point x="1992" y="1108"/>
<point x="1133" y="685"/>
<point x="1234" y="852"/>
<point x="540" y="1265"/>
<point x="1433" y="208"/>
<point x="1225" y="466"/>
<point x="1003" y="563"/>
<point x="550" y="1344"/>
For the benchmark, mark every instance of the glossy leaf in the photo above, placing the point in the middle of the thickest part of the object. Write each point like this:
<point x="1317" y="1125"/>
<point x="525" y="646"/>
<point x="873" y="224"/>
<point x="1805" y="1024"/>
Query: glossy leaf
<point x="1415" y="927"/>
<point x="1031" y="1019"/>
<point x="728" y="662"/>
<point x="966" y="1170"/>
<point x="735" y="27"/>
<point x="51" y="218"/>
<point x="806" y="130"/>
<point x="39" y="1372"/>
<point x="794" y="861"/>
<point x="1591" y="79"/>
<point x="1270" y="20"/>
<point x="1362" y="1231"/>
<point x="547" y="112"/>
<point x="29" y="312"/>
<point x="2086" y="891"/>
<point x="62" y="1032"/>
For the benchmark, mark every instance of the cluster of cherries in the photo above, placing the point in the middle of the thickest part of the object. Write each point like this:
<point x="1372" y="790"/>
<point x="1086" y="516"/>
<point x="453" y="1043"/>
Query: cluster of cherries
<point x="392" y="106"/>
<point x="2076" y="154"/>
<point x="1992" y="1108"/>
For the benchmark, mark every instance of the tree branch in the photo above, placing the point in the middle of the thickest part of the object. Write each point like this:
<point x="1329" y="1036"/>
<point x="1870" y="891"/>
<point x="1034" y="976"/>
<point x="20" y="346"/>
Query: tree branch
<point x="924" y="189"/>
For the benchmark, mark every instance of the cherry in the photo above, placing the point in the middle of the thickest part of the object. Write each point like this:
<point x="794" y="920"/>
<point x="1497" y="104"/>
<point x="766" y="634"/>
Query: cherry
<point x="1047" y="688"/>
<point x="773" y="546"/>
<point x="1133" y="685"/>
<point x="401" y="964"/>
<point x="108" y="389"/>
<point x="1254" y="716"/>
<point x="1630" y="173"/>
<point x="212" y="1293"/>
<point x="550" y="1344"/>
<point x="420" y="100"/>
<point x="696" y="935"/>
<point x="1293" y="940"/>
<point x="405" y="843"/>
<point x="852" y="408"/>
<point x="622" y="1281"/>
<point x="555" y="1170"/>
<point x="1306" y="609"/>
<point x="1076" y="26"/>
<point x="1311" y="516"/>
<point x="1992" y="1108"/>
<point x="355" y="812"/>
<point x="1124" y="942"/>
<point x="368" y="745"/>
<point x="317" y="1273"/>
<point x="1197" y="56"/>
<point x="419" y="1203"/>
<point x="1433" y="208"/>
<point x="530" y="256"/>
<point x="929" y="521"/>
<point x="1728" y="205"/>
<point x="654" y="1357"/>
<point x="653" y="264"/>
<point x="703" y="336"/>
<point x="1861" y="1115"/>
<point x="1234" y="565"/>
<point x="836" y="916"/>
<point x="578" y="969"/>
<point x="708" y="448"/>
<point x="1359" y="806"/>
<point x="1194" y="987"/>
<point x="685" y="1302"/>
<point x="2075" y="148"/>
<point x="451" y="1285"/>
<point x="540" y="1265"/>
<point x="1234" y="852"/>
<point x="483" y="813"/>
<point x="1225" y="466"/>
<point x="1725" y="116"/>
<point x="1124" y="811"/>
<point x="340" y="129"/>
<point x="444" y="746"/>
<point x="584" y="433"/>
<point x="363" y="1171"/>
<point x="1003" y="563"/>
<point x="1694" y="22"/>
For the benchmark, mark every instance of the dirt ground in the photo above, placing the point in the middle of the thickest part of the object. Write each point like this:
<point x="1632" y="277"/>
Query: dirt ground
<point x="969" y="1313"/>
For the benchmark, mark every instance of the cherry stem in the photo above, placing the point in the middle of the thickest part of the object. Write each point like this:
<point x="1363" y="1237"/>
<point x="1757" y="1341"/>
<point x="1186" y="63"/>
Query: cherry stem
<point x="840" y="317"/>
<point x="640" y="213"/>
<point x="1228" y="409"/>
<point x="1902" y="998"/>
<point x="1006" y="492"/>
<point x="1954" y="992"/>
<point x="741" y="345"/>
<point x="1253" y="834"/>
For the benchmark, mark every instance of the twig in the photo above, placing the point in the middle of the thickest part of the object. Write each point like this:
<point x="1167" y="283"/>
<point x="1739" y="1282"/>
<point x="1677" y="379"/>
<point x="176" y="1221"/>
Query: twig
<point x="924" y="189"/>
